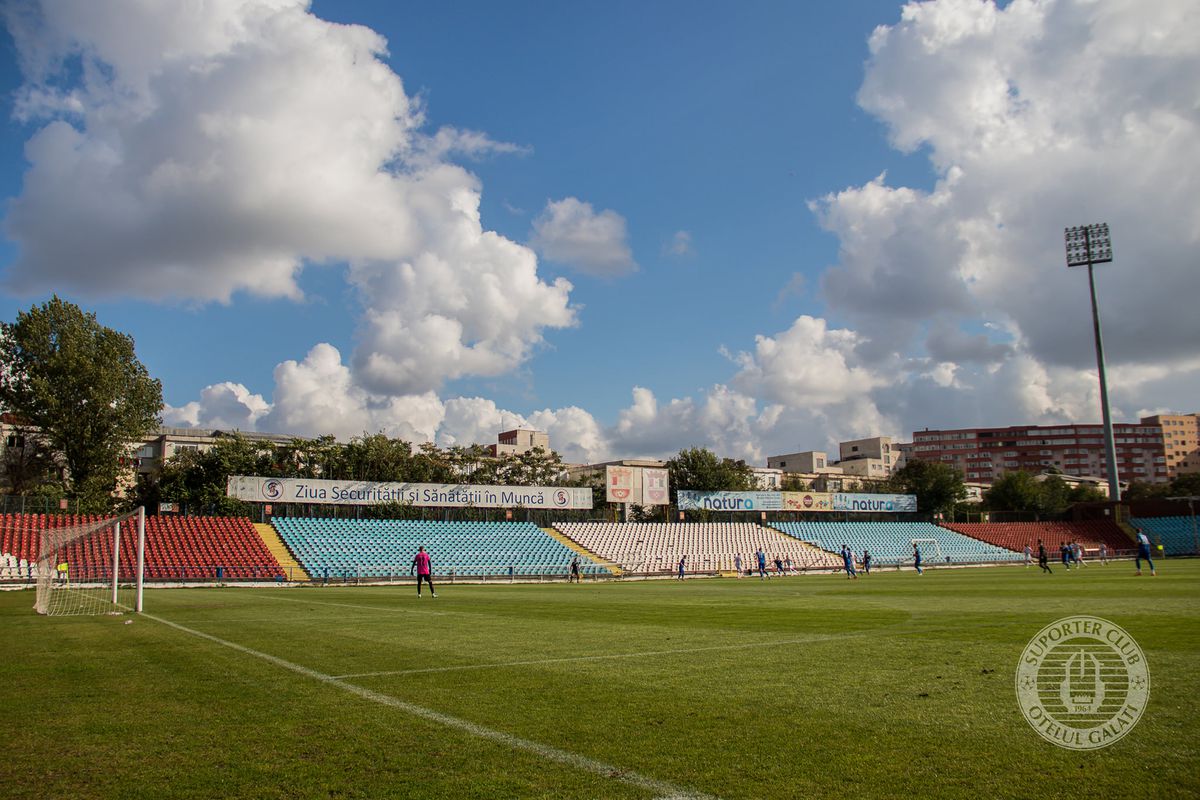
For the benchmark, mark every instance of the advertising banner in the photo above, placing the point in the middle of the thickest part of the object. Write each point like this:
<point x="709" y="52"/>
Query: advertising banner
<point x="690" y="500"/>
<point x="621" y="485"/>
<point x="887" y="503"/>
<point x="796" y="501"/>
<point x="365" y="493"/>
<point x="655" y="488"/>
<point x="807" y="501"/>
<point x="642" y="486"/>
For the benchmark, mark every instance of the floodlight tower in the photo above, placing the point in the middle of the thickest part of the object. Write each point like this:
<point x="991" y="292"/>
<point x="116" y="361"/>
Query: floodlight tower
<point x="1091" y="244"/>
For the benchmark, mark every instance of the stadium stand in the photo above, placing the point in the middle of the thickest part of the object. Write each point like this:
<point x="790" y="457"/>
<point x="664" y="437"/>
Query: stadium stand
<point x="1015" y="535"/>
<point x="177" y="548"/>
<point x="1177" y="535"/>
<point x="657" y="546"/>
<point x="380" y="548"/>
<point x="891" y="542"/>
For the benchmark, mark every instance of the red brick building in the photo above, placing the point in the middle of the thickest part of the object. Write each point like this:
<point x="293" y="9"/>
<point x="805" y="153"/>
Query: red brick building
<point x="984" y="454"/>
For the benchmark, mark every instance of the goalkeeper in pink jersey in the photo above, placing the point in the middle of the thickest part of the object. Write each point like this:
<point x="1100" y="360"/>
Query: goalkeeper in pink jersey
<point x="422" y="565"/>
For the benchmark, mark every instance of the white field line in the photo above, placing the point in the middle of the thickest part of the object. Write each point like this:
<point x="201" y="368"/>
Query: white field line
<point x="581" y="762"/>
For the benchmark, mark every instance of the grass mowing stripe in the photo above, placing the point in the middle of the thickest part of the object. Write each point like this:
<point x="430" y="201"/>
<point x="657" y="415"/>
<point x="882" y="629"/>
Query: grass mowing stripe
<point x="818" y="637"/>
<point x="661" y="788"/>
<point x="389" y="609"/>
<point x="601" y="656"/>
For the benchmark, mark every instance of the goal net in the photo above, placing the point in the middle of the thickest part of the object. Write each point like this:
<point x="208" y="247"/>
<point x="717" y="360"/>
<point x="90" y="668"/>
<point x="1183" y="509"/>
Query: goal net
<point x="931" y="553"/>
<point x="93" y="567"/>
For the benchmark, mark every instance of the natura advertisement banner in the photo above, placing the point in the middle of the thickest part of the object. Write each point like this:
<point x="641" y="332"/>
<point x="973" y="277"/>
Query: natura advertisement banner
<point x="796" y="501"/>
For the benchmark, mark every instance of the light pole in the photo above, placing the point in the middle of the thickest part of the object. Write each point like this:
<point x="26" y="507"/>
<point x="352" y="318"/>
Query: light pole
<point x="1091" y="244"/>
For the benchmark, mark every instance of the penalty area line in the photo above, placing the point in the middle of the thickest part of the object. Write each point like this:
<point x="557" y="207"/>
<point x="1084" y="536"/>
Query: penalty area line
<point x="658" y="787"/>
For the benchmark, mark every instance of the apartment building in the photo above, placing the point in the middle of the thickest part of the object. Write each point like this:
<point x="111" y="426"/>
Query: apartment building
<point x="985" y="454"/>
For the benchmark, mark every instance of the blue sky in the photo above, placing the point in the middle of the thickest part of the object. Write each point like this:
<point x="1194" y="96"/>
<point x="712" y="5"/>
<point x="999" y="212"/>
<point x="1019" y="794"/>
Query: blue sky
<point x="746" y="281"/>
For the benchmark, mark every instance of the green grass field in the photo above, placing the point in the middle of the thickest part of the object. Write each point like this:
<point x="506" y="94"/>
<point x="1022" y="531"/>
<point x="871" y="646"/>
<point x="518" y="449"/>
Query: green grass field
<point x="893" y="685"/>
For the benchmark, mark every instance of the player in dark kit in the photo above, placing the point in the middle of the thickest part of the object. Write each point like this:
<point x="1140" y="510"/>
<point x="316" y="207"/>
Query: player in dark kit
<point x="1042" y="561"/>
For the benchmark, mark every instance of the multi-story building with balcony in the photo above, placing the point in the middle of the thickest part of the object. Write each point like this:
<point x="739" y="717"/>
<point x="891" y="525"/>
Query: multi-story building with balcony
<point x="985" y="454"/>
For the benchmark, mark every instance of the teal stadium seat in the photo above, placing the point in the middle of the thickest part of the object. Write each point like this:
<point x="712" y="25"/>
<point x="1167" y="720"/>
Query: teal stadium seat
<point x="891" y="542"/>
<point x="381" y="548"/>
<point x="1177" y="535"/>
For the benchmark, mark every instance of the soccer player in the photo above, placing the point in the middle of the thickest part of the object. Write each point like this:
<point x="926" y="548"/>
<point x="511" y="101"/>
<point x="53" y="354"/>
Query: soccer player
<point x="682" y="566"/>
<point x="762" y="564"/>
<point x="848" y="563"/>
<point x="1043" y="562"/>
<point x="1079" y="555"/>
<point x="1143" y="543"/>
<point x="575" y="570"/>
<point x="1064" y="552"/>
<point x="1103" y="553"/>
<point x="737" y="565"/>
<point x="917" y="558"/>
<point x="866" y="562"/>
<point x="1028" y="552"/>
<point x="424" y="568"/>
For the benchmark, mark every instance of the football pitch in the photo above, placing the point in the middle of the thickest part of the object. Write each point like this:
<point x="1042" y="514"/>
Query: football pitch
<point x="815" y="686"/>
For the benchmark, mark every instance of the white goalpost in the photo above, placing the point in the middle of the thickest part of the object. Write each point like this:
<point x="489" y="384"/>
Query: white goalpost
<point x="92" y="568"/>
<point x="926" y="545"/>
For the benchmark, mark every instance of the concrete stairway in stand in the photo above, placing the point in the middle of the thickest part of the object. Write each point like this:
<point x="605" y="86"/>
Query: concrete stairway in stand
<point x="291" y="567"/>
<point x="583" y="551"/>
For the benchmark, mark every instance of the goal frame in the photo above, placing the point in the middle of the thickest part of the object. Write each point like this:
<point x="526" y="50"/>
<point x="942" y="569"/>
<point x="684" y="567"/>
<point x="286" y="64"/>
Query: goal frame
<point x="941" y="559"/>
<point x="52" y="546"/>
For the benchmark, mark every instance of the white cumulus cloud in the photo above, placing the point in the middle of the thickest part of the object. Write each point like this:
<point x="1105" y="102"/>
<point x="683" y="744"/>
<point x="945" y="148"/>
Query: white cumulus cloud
<point x="1035" y="116"/>
<point x="222" y="406"/>
<point x="572" y="233"/>
<point x="215" y="148"/>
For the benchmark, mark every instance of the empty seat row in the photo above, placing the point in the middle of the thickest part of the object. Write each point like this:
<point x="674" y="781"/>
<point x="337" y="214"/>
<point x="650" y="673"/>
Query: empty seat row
<point x="380" y="548"/>
<point x="652" y="546"/>
<point x="1016" y="535"/>
<point x="893" y="541"/>
<point x="1178" y="536"/>
<point x="176" y="547"/>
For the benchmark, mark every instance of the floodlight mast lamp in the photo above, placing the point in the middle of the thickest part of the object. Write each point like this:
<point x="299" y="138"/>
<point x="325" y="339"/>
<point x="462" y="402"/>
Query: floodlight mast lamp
<point x="1091" y="244"/>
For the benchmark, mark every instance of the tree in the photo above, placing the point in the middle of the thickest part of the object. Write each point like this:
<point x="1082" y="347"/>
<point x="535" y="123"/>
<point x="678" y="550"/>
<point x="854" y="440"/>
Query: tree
<point x="1055" y="495"/>
<point x="1014" y="491"/>
<point x="322" y="457"/>
<point x="1140" y="490"/>
<point x="937" y="486"/>
<point x="793" y="483"/>
<point x="534" y="467"/>
<point x="200" y="480"/>
<point x="83" y="387"/>
<point x="27" y="463"/>
<point x="375" y="457"/>
<point x="1084" y="493"/>
<point x="1047" y="495"/>
<point x="700" y="469"/>
<point x="1185" y="485"/>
